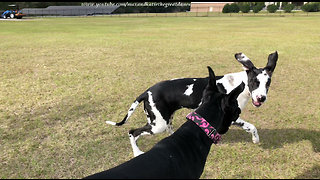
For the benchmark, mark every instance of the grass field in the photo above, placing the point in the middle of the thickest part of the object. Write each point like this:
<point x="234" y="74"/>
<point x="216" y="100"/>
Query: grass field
<point x="62" y="78"/>
<point x="262" y="13"/>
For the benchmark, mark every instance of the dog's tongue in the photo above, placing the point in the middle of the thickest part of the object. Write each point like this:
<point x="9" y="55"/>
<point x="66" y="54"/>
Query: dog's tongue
<point x="256" y="103"/>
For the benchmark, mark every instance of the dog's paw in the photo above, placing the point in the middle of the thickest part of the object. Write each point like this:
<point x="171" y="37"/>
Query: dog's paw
<point x="255" y="140"/>
<point x="170" y="129"/>
<point x="137" y="153"/>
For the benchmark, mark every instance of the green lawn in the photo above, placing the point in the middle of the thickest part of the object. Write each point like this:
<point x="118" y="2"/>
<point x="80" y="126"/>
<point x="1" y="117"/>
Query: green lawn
<point x="62" y="78"/>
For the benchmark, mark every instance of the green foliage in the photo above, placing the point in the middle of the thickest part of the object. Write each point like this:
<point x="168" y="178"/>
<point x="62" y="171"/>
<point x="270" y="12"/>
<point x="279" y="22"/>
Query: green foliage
<point x="311" y="7"/>
<point x="261" y="5"/>
<point x="257" y="6"/>
<point x="226" y="8"/>
<point x="256" y="9"/>
<point x="242" y="3"/>
<point x="234" y="8"/>
<point x="272" y="8"/>
<point x="231" y="8"/>
<point x="288" y="8"/>
<point x="284" y="4"/>
<point x="245" y="8"/>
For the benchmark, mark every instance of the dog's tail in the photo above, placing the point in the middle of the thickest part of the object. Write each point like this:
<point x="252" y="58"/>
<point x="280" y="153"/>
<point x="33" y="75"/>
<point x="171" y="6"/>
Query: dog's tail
<point x="132" y="108"/>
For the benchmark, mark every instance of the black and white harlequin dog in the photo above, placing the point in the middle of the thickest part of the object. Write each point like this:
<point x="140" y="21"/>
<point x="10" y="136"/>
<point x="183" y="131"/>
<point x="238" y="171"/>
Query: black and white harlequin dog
<point x="183" y="154"/>
<point x="164" y="98"/>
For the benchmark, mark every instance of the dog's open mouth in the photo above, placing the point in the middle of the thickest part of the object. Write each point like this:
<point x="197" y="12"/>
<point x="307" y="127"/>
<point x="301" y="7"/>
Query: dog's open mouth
<point x="256" y="103"/>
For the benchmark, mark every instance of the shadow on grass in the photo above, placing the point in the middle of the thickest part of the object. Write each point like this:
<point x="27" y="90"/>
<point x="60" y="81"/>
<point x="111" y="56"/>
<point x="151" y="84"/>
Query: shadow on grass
<point x="313" y="173"/>
<point x="276" y="138"/>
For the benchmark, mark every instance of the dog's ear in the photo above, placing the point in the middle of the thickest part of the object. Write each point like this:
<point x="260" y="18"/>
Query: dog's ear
<point x="235" y="92"/>
<point x="212" y="80"/>
<point x="244" y="60"/>
<point x="232" y="111"/>
<point x="272" y="62"/>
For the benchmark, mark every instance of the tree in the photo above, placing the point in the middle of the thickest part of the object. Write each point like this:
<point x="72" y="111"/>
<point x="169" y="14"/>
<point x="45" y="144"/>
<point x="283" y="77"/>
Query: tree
<point x="257" y="6"/>
<point x="272" y="8"/>
<point x="284" y="4"/>
<point x="231" y="8"/>
<point x="288" y="8"/>
<point x="226" y="8"/>
<point x="260" y="4"/>
<point x="256" y="9"/>
<point x="234" y="8"/>
<point x="310" y="7"/>
<point x="245" y="8"/>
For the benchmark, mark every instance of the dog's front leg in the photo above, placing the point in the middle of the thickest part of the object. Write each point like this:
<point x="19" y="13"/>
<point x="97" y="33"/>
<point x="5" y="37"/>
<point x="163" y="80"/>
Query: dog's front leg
<point x="250" y="128"/>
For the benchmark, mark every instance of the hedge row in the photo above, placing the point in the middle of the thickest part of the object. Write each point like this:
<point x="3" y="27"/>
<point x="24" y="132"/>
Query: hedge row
<point x="245" y="7"/>
<point x="311" y="7"/>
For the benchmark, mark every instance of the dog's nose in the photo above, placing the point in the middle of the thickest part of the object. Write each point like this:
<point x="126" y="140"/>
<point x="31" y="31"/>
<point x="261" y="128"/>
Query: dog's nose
<point x="262" y="98"/>
<point x="238" y="55"/>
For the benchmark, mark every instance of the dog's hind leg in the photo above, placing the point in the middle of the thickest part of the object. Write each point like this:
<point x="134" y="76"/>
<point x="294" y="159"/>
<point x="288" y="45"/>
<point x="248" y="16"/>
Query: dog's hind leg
<point x="134" y="134"/>
<point x="250" y="128"/>
<point x="156" y="124"/>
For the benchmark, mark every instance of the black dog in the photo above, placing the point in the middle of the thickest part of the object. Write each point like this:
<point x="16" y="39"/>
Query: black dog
<point x="184" y="153"/>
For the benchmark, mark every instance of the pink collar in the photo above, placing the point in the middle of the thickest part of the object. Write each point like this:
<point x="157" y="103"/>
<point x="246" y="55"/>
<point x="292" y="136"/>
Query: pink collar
<point x="210" y="131"/>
